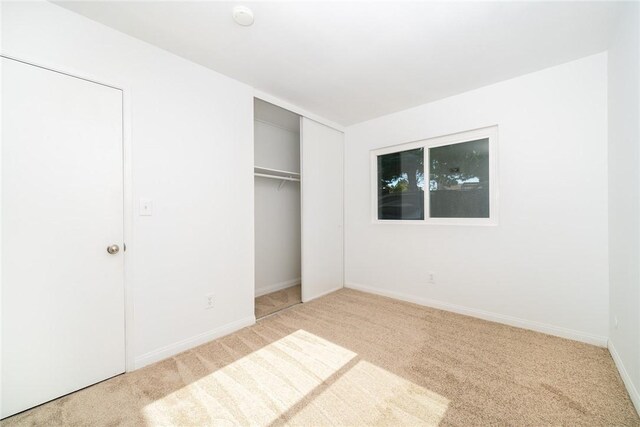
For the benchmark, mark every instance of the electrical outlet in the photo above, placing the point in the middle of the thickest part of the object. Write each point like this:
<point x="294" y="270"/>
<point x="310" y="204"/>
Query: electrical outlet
<point x="432" y="277"/>
<point x="209" y="301"/>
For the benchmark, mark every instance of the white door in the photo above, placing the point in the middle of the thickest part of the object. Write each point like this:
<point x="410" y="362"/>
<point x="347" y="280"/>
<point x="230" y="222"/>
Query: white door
<point x="62" y="206"/>
<point x="322" y="209"/>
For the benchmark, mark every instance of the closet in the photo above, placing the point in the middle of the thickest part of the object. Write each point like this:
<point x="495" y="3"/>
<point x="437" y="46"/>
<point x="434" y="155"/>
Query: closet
<point x="298" y="208"/>
<point x="276" y="208"/>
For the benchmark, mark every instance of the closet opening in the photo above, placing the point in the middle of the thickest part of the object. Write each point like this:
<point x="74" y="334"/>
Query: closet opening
<point x="278" y="283"/>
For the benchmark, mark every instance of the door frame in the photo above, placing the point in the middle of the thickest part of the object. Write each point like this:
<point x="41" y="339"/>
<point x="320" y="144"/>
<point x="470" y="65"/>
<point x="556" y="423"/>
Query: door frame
<point x="127" y="179"/>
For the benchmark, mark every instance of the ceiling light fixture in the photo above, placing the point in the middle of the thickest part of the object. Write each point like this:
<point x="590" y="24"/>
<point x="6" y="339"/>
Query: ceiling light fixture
<point x="243" y="16"/>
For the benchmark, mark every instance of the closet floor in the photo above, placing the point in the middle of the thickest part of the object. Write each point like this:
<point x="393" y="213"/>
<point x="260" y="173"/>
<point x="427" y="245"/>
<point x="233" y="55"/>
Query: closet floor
<point x="278" y="300"/>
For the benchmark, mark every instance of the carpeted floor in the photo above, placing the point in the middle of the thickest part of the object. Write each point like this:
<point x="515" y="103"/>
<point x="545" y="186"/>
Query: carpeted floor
<point x="276" y="301"/>
<point x="352" y="358"/>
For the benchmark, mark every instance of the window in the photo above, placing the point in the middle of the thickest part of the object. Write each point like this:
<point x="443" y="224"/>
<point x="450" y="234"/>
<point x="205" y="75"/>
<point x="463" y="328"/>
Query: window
<point x="401" y="185"/>
<point x="459" y="180"/>
<point x="459" y="174"/>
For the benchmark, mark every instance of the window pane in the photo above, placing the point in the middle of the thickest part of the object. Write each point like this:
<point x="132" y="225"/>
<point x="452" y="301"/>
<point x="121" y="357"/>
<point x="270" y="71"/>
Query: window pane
<point x="401" y="185"/>
<point x="459" y="180"/>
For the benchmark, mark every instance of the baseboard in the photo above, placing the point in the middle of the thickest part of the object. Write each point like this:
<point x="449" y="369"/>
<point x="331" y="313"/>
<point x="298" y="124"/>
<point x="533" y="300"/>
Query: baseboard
<point x="571" y="334"/>
<point x="277" y="286"/>
<point x="186" y="344"/>
<point x="626" y="379"/>
<point x="321" y="294"/>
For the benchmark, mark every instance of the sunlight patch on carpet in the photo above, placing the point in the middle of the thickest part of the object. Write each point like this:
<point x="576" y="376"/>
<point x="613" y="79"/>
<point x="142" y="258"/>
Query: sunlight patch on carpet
<point x="369" y="395"/>
<point x="299" y="379"/>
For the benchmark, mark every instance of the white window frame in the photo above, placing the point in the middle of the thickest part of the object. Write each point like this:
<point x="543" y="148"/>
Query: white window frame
<point x="490" y="133"/>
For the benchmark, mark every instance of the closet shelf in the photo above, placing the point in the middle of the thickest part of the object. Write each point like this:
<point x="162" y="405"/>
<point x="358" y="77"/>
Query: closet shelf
<point x="276" y="174"/>
<point x="281" y="178"/>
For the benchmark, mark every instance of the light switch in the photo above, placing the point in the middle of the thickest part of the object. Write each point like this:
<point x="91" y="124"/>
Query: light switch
<point x="145" y="207"/>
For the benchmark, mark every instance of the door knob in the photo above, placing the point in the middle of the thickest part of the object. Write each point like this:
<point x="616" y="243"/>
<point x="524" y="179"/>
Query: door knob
<point x="113" y="249"/>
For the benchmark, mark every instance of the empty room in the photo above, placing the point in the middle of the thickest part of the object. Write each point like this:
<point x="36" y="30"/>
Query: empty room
<point x="320" y="213"/>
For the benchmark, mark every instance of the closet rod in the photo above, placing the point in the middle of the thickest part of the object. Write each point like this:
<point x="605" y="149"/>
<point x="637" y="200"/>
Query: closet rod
<point x="282" y="178"/>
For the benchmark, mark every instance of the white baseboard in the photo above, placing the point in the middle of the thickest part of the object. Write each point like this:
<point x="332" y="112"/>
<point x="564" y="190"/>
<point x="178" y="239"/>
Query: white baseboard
<point x="571" y="334"/>
<point x="631" y="388"/>
<point x="277" y="286"/>
<point x="321" y="294"/>
<point x="186" y="344"/>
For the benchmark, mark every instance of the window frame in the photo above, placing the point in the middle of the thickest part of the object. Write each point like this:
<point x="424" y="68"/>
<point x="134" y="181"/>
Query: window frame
<point x="490" y="133"/>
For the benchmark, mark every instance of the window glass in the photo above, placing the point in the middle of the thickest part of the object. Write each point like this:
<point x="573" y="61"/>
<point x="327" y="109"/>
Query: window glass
<point x="459" y="180"/>
<point x="401" y="185"/>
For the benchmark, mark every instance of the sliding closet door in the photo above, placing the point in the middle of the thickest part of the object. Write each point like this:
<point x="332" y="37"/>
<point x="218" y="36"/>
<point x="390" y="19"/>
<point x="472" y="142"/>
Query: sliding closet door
<point x="322" y="209"/>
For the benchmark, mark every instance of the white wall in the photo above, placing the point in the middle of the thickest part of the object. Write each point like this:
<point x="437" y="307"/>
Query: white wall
<point x="191" y="129"/>
<point x="545" y="265"/>
<point x="277" y="147"/>
<point x="277" y="209"/>
<point x="624" y="195"/>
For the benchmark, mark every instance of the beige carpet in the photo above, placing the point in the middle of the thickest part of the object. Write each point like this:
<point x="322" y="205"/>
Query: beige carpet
<point x="276" y="301"/>
<point x="350" y="359"/>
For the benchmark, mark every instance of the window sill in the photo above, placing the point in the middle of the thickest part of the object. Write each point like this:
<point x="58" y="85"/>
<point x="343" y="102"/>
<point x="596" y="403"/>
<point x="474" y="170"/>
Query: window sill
<point x="447" y="222"/>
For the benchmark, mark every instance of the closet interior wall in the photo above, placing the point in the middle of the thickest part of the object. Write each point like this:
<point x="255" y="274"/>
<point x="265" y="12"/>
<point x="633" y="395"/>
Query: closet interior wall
<point x="277" y="201"/>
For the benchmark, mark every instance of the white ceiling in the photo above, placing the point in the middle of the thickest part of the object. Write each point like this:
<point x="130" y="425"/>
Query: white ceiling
<point x="353" y="61"/>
